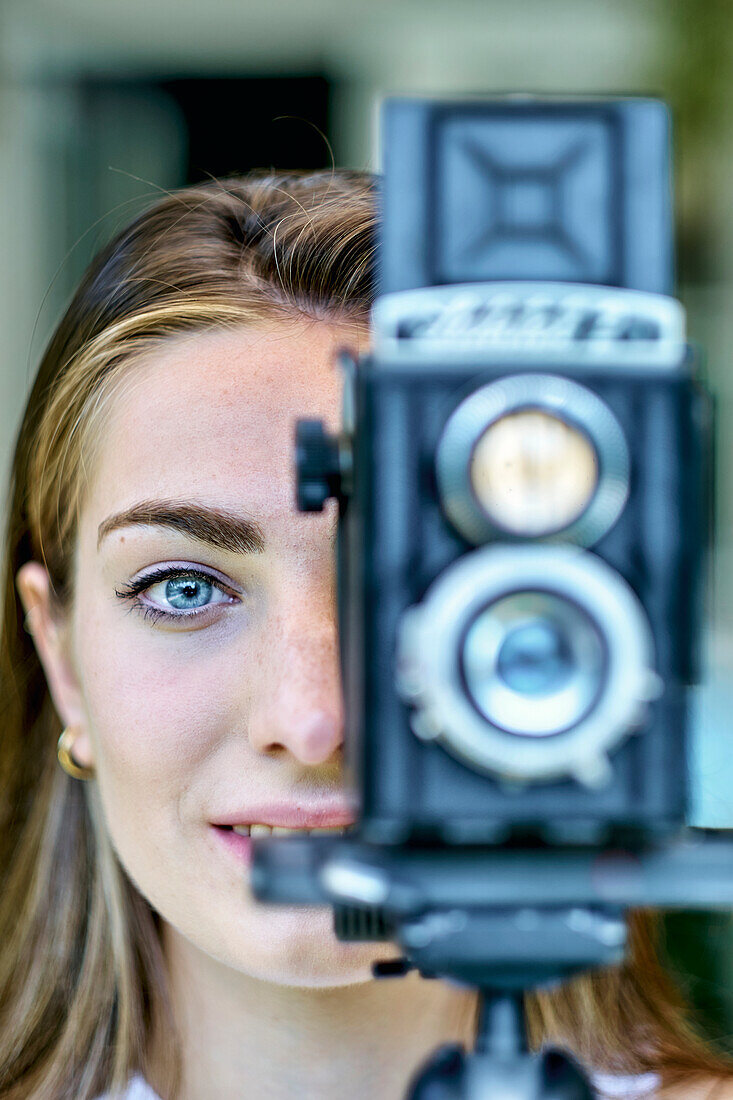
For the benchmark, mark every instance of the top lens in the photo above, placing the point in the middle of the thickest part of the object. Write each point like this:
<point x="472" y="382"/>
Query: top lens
<point x="533" y="456"/>
<point x="532" y="473"/>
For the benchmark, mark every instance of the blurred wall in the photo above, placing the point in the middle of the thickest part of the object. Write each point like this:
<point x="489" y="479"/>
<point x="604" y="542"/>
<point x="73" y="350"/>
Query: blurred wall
<point x="70" y="175"/>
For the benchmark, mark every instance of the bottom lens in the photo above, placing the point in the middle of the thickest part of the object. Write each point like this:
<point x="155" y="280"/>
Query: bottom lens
<point x="528" y="662"/>
<point x="533" y="663"/>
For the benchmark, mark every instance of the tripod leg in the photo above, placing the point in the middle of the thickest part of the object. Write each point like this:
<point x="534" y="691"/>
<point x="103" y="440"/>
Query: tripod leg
<point x="501" y="1067"/>
<point x="562" y="1078"/>
<point x="442" y="1077"/>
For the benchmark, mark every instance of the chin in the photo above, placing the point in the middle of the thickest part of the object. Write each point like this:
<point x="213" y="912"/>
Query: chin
<point x="288" y="946"/>
<point x="320" y="978"/>
<point x="306" y="954"/>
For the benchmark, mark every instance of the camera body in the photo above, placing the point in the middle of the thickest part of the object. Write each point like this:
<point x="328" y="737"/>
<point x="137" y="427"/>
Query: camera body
<point x="402" y="661"/>
<point x="520" y="477"/>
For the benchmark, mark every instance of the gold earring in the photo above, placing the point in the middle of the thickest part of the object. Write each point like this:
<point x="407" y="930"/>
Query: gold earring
<point x="66" y="760"/>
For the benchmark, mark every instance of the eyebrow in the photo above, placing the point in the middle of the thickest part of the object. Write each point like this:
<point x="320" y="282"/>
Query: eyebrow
<point x="215" y="526"/>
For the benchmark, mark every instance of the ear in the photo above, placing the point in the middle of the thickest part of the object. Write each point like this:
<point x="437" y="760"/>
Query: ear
<point x="51" y="641"/>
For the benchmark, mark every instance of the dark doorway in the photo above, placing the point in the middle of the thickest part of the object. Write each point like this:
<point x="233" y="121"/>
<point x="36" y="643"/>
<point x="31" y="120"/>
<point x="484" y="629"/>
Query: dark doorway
<point x="234" y="125"/>
<point x="131" y="139"/>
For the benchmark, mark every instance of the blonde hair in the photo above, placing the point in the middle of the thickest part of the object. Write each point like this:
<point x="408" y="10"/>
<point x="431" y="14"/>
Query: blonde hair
<point x="82" y="976"/>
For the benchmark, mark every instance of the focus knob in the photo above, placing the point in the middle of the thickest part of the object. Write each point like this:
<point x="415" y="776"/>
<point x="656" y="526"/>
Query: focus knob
<point x="318" y="465"/>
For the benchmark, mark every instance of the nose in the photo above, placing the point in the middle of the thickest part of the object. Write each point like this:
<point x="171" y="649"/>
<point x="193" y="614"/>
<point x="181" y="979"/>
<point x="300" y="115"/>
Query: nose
<point x="300" y="706"/>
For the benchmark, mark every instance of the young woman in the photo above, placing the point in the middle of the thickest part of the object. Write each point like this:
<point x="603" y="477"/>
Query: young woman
<point x="170" y="678"/>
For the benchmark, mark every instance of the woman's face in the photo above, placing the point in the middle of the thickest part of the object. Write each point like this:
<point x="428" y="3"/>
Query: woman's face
<point x="207" y="667"/>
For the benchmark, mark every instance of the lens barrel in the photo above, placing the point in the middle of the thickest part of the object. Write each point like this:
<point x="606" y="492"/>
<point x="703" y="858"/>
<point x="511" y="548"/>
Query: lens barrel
<point x="499" y="477"/>
<point x="528" y="662"/>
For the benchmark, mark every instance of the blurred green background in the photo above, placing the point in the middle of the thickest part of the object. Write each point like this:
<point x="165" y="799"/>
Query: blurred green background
<point x="105" y="103"/>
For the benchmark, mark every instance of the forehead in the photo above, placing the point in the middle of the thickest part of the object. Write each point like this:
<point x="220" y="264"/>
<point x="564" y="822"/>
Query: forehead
<point x="208" y="414"/>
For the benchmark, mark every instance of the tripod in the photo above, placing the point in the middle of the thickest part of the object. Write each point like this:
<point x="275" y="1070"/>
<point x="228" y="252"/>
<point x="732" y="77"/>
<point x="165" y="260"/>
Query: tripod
<point x="501" y="1067"/>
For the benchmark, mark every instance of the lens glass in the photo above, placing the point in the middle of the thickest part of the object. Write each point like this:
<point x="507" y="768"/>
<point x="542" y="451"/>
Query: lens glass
<point x="535" y="657"/>
<point x="533" y="473"/>
<point x="533" y="663"/>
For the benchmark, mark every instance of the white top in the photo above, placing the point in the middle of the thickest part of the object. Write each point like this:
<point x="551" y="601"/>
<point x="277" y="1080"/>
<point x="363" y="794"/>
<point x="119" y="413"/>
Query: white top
<point x="613" y="1088"/>
<point x="607" y="1088"/>
<point x="136" y="1090"/>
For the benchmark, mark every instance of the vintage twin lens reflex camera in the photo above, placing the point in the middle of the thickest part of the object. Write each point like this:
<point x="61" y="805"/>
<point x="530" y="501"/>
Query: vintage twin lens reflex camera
<point x="520" y="482"/>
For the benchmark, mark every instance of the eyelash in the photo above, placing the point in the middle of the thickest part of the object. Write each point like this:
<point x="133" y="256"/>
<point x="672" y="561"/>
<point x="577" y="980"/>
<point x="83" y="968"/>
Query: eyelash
<point x="154" y="614"/>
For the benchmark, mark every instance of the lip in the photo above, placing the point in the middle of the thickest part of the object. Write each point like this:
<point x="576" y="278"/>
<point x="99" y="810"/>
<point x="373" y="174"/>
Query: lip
<point x="241" y="846"/>
<point x="291" y="815"/>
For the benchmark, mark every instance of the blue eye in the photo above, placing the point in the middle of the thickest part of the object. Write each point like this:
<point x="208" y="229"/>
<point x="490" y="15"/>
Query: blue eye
<point x="174" y="593"/>
<point x="186" y="593"/>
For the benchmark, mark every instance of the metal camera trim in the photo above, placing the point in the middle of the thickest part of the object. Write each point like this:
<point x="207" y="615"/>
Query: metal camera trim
<point x="559" y="397"/>
<point x="429" y="679"/>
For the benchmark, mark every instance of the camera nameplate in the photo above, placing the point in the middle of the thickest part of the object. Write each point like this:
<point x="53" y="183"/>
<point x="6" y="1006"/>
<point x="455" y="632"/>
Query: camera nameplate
<point x="565" y="323"/>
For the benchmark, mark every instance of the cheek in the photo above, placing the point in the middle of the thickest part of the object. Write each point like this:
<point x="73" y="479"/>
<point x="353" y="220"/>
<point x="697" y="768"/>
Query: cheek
<point x="158" y="709"/>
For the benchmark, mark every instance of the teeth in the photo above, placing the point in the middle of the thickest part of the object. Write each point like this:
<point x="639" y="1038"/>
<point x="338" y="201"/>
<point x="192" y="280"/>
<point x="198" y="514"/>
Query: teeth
<point x="281" y="830"/>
